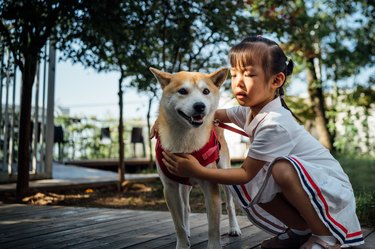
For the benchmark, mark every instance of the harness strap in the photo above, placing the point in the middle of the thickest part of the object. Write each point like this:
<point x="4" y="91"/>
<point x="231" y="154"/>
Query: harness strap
<point x="209" y="153"/>
<point x="231" y="128"/>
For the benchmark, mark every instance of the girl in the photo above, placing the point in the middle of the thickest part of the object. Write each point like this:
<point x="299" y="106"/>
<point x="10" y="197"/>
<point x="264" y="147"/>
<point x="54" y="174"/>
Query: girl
<point x="289" y="184"/>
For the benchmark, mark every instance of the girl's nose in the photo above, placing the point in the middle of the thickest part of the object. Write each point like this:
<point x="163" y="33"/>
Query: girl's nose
<point x="239" y="82"/>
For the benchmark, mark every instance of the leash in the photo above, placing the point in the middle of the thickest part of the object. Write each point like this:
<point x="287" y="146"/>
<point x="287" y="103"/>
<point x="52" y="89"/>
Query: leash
<point x="231" y="128"/>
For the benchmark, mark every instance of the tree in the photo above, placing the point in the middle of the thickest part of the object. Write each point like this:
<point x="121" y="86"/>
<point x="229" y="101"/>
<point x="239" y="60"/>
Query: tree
<point x="171" y="35"/>
<point x="25" y="28"/>
<point x="98" y="45"/>
<point x="187" y="35"/>
<point x="331" y="38"/>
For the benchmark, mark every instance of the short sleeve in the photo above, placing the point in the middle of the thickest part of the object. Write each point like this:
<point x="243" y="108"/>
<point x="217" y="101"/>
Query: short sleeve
<point x="237" y="115"/>
<point x="270" y="142"/>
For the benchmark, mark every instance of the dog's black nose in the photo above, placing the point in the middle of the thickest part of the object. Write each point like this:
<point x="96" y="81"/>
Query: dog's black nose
<point x="199" y="107"/>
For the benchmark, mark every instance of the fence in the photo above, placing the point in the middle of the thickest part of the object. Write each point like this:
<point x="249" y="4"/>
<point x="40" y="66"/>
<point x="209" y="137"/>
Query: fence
<point x="41" y="142"/>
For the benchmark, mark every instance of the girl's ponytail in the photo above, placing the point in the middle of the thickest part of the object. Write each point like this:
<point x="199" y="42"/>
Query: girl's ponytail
<point x="289" y="67"/>
<point x="287" y="71"/>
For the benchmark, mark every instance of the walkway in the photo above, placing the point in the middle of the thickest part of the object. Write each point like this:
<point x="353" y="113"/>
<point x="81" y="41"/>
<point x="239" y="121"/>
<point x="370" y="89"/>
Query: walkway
<point x="74" y="176"/>
<point x="52" y="227"/>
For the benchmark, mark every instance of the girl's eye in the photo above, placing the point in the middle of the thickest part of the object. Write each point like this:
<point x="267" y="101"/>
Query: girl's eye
<point x="183" y="91"/>
<point x="206" y="91"/>
<point x="249" y="75"/>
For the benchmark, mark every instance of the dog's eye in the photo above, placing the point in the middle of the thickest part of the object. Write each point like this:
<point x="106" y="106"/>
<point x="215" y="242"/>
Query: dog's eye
<point x="183" y="91"/>
<point x="206" y="91"/>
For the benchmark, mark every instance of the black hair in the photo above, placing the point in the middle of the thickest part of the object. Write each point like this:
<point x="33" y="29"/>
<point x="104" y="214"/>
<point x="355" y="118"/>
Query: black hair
<point x="271" y="57"/>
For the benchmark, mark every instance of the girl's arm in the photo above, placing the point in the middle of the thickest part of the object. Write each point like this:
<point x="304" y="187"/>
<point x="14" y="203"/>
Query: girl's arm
<point x="186" y="165"/>
<point x="221" y="114"/>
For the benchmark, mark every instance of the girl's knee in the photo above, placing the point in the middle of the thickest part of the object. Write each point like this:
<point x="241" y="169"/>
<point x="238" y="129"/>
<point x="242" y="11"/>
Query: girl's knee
<point x="283" y="172"/>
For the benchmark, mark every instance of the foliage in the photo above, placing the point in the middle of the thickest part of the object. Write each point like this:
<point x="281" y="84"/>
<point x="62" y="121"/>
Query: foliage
<point x="332" y="39"/>
<point x="366" y="208"/>
<point x="337" y="32"/>
<point x="84" y="139"/>
<point x="170" y="35"/>
<point x="358" y="106"/>
<point x="27" y="25"/>
<point x="361" y="171"/>
<point x="24" y="28"/>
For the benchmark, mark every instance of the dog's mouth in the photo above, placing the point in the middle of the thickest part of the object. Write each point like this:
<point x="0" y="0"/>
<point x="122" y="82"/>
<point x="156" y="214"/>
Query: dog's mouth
<point x="195" y="120"/>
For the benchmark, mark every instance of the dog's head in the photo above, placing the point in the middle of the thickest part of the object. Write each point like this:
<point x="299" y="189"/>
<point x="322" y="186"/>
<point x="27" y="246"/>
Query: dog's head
<point x="190" y="97"/>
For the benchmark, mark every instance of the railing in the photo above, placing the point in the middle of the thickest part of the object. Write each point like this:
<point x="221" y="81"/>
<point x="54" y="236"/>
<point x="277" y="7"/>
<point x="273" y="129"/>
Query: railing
<point x="41" y="132"/>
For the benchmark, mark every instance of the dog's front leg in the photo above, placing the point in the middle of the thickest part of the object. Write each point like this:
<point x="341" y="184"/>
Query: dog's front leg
<point x="175" y="195"/>
<point x="234" y="228"/>
<point x="224" y="163"/>
<point x="213" y="209"/>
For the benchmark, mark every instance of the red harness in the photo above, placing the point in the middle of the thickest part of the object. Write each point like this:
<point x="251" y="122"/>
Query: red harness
<point x="209" y="153"/>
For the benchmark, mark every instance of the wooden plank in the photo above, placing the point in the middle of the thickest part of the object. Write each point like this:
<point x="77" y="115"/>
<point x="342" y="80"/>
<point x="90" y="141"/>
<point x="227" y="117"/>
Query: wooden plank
<point x="252" y="238"/>
<point x="56" y="224"/>
<point x="159" y="237"/>
<point x="142" y="236"/>
<point x="20" y="209"/>
<point x="125" y="232"/>
<point x="225" y="240"/>
<point x="369" y="235"/>
<point x="90" y="231"/>
<point x="197" y="233"/>
<point x="56" y="227"/>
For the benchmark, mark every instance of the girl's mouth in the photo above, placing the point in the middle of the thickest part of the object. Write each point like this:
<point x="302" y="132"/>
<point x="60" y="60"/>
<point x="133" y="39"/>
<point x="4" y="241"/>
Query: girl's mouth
<point x="240" y="95"/>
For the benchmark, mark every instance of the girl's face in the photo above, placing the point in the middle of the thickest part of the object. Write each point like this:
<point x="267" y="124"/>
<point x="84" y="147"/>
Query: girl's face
<point x="250" y="87"/>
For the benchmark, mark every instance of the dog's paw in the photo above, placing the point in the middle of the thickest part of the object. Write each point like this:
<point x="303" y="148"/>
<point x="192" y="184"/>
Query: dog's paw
<point x="184" y="245"/>
<point x="234" y="232"/>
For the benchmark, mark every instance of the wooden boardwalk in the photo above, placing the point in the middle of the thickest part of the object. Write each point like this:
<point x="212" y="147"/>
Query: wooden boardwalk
<point x="25" y="226"/>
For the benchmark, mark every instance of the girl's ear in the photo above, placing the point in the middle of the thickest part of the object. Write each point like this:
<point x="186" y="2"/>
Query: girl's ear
<point x="163" y="77"/>
<point x="278" y="80"/>
<point x="219" y="76"/>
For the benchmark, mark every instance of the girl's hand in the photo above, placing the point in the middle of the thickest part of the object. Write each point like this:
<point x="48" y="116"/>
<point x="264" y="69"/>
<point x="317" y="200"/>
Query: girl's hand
<point x="183" y="165"/>
<point x="154" y="130"/>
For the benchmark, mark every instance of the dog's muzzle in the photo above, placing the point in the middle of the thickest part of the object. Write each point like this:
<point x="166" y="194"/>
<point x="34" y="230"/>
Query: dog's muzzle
<point x="195" y="120"/>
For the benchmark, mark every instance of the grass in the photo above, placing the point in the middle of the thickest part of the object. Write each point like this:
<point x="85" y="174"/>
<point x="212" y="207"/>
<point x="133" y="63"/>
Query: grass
<point x="361" y="172"/>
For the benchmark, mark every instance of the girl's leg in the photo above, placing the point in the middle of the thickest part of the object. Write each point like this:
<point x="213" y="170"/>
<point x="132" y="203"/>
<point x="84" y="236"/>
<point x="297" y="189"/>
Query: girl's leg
<point x="280" y="208"/>
<point x="286" y="177"/>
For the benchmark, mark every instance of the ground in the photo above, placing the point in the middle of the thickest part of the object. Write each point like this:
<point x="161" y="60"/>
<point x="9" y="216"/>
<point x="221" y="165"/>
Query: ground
<point x="135" y="195"/>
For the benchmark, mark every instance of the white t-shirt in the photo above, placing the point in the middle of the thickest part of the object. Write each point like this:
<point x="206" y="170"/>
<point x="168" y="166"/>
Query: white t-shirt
<point x="274" y="133"/>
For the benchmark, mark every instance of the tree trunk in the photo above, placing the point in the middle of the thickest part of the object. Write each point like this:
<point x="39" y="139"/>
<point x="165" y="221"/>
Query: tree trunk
<point x="121" y="168"/>
<point x="317" y="100"/>
<point x="28" y="75"/>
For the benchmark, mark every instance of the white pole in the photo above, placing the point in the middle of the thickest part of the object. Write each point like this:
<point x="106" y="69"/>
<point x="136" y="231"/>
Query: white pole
<point x="43" y="120"/>
<point x="6" y="114"/>
<point x="36" y="123"/>
<point x="50" y="109"/>
<point x="12" y="127"/>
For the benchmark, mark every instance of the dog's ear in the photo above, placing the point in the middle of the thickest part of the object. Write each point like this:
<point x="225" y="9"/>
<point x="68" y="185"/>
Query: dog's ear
<point x="219" y="76"/>
<point x="163" y="77"/>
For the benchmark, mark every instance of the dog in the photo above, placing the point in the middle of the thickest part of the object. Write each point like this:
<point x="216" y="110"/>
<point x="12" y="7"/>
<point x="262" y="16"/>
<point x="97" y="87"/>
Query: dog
<point x="185" y="125"/>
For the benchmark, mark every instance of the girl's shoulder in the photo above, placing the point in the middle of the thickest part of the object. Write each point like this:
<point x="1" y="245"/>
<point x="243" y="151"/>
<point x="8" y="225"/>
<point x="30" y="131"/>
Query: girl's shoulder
<point x="281" y="117"/>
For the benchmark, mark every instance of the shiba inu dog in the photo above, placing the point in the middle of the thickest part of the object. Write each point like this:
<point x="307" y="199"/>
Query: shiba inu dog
<point x="185" y="125"/>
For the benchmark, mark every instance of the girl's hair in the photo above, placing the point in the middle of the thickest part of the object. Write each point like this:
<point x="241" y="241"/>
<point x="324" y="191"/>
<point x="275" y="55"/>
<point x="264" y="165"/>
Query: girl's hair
<point x="257" y="50"/>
